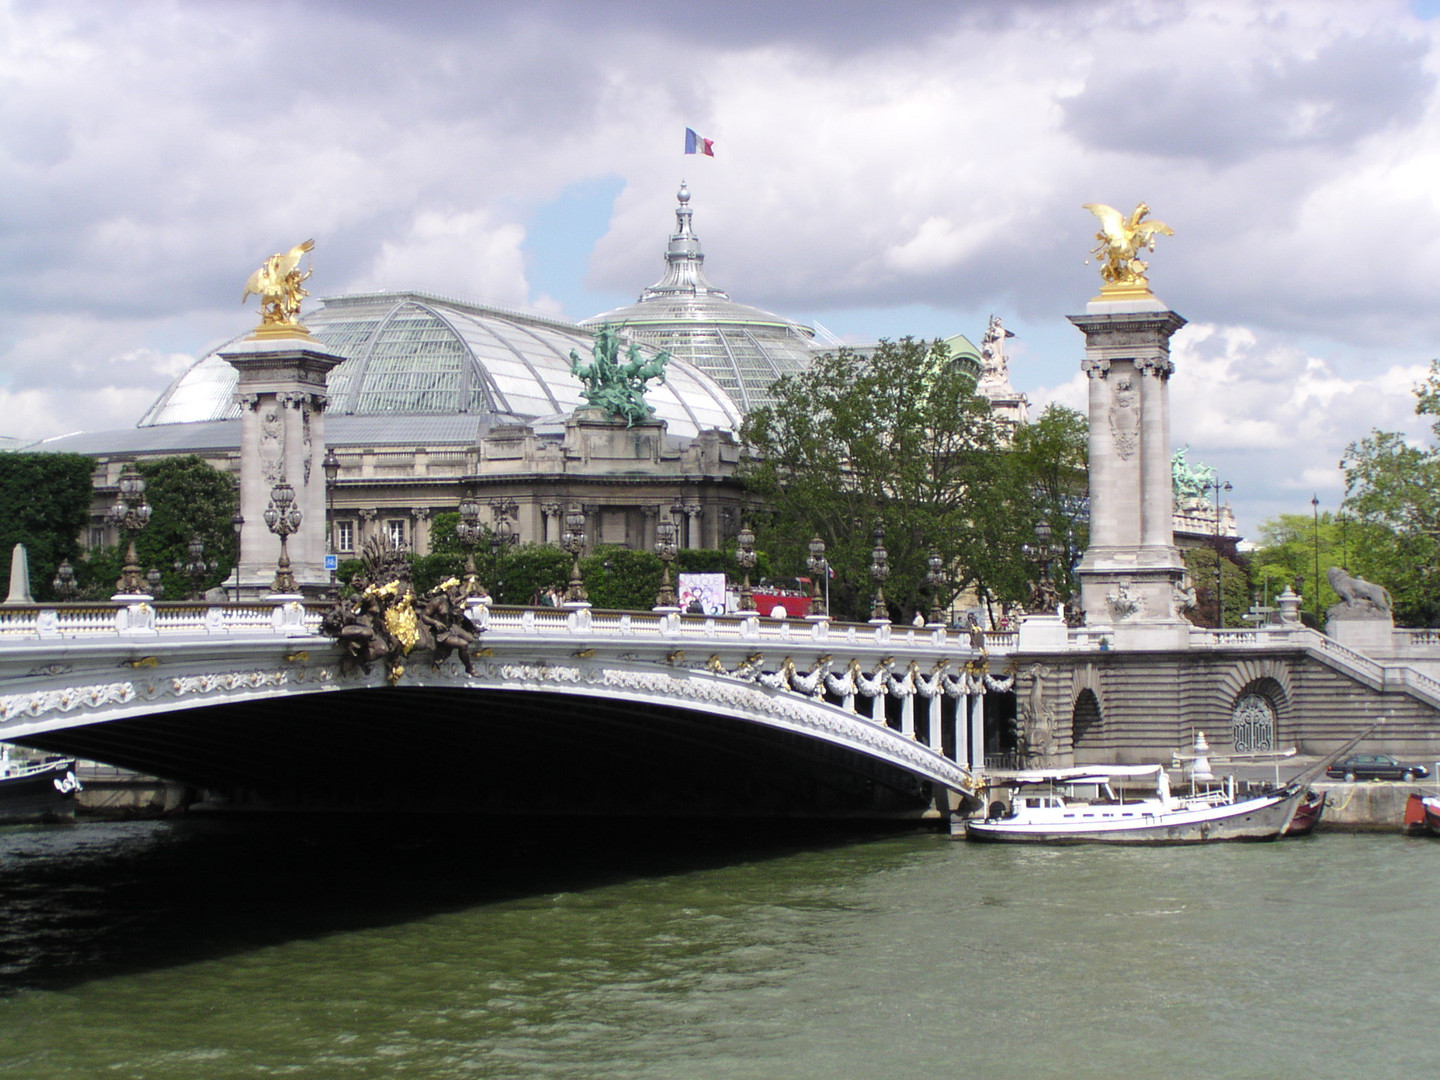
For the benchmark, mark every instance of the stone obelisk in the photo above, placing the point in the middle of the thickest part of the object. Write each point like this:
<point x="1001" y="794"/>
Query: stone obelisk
<point x="281" y="393"/>
<point x="1131" y="576"/>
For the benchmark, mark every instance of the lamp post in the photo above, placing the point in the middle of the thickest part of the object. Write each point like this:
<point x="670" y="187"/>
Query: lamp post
<point x="130" y="514"/>
<point x="574" y="542"/>
<point x="501" y="510"/>
<point x="1044" y="597"/>
<point x="746" y="558"/>
<point x="237" y="522"/>
<point x="665" y="548"/>
<point x="935" y="579"/>
<point x="1218" y="487"/>
<point x="880" y="572"/>
<point x="1315" y="508"/>
<point x="153" y="581"/>
<point x="469" y="533"/>
<point x="64" y="584"/>
<point x="197" y="569"/>
<point x="331" y="467"/>
<point x="819" y="567"/>
<point x="282" y="517"/>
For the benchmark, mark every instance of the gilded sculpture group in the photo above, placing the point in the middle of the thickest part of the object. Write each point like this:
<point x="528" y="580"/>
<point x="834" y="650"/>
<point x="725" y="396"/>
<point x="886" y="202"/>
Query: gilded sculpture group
<point x="384" y="619"/>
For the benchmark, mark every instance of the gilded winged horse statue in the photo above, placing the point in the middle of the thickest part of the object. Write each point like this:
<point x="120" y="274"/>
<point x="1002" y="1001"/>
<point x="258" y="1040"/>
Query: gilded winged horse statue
<point x="277" y="284"/>
<point x="1120" y="240"/>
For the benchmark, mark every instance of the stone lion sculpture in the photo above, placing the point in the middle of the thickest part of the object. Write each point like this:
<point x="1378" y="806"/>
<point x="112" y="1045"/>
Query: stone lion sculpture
<point x="1356" y="592"/>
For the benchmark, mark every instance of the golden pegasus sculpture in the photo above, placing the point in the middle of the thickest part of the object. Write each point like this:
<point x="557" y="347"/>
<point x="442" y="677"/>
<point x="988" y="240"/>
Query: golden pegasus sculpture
<point x="1120" y="241"/>
<point x="278" y="285"/>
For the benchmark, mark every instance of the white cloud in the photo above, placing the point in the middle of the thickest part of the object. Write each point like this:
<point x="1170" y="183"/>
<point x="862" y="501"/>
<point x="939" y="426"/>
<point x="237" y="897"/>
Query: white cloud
<point x="888" y="157"/>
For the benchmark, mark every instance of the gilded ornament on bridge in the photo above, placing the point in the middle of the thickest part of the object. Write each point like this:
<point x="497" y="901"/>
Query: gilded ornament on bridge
<point x="278" y="284"/>
<point x="383" y="621"/>
<point x="617" y="388"/>
<point x="1120" y="241"/>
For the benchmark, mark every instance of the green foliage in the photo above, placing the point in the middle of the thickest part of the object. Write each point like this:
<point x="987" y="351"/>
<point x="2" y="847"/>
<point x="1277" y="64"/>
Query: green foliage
<point x="1053" y="455"/>
<point x="530" y="569"/>
<point x="1392" y="489"/>
<point x="45" y="505"/>
<point x="1200" y="561"/>
<point x="187" y="497"/>
<point x="442" y="534"/>
<point x="616" y="577"/>
<point x="427" y="571"/>
<point x="898" y="441"/>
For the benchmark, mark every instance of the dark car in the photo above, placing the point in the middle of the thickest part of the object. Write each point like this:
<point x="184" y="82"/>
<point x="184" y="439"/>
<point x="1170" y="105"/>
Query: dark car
<point x="1375" y="767"/>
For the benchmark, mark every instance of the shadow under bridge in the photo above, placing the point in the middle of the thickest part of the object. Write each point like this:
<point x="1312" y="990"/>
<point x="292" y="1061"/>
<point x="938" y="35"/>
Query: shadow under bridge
<point x="522" y="739"/>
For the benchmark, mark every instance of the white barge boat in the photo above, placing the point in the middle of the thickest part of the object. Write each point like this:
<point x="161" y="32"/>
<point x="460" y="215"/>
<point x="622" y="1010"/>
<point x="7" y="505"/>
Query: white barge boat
<point x="1046" y="809"/>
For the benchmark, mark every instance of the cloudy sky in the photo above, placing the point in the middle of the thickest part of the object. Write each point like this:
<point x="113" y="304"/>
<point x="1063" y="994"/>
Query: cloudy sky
<point x="881" y="169"/>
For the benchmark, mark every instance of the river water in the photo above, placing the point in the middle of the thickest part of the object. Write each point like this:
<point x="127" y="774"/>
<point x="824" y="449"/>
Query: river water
<point x="203" y="950"/>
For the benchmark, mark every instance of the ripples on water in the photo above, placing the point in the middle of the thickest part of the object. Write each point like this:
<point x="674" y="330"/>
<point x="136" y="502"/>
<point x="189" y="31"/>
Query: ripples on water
<point x="216" y="950"/>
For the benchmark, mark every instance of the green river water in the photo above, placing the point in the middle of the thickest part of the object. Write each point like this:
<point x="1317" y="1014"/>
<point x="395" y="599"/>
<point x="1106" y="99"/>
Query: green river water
<point x="216" y="950"/>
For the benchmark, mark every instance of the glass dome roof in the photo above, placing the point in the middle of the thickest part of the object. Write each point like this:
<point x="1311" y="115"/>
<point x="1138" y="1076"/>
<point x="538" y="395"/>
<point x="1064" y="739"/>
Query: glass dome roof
<point x="742" y="348"/>
<point x="413" y="353"/>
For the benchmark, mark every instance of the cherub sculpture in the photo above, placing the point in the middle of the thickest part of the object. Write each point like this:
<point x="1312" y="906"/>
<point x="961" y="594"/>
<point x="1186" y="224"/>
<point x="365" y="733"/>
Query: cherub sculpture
<point x="1120" y="240"/>
<point x="618" y="388"/>
<point x="278" y="285"/>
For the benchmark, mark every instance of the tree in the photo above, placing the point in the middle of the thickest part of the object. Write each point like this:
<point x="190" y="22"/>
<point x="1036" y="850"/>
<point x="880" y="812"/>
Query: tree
<point x="188" y="498"/>
<point x="1392" y="488"/>
<point x="898" y="441"/>
<point x="45" y="505"/>
<point x="1053" y="456"/>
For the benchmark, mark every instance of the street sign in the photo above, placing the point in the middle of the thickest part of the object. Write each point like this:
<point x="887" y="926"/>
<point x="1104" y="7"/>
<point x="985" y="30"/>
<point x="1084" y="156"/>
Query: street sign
<point x="332" y="562"/>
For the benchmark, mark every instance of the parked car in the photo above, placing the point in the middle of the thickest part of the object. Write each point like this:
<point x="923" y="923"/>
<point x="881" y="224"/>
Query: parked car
<point x="1375" y="767"/>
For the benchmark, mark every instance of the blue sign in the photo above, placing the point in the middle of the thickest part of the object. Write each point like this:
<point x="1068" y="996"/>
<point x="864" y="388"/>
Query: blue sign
<point x="332" y="562"/>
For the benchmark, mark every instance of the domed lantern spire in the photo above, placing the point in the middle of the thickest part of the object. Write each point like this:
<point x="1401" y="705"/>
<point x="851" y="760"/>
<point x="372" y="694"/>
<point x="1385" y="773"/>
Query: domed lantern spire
<point x="685" y="261"/>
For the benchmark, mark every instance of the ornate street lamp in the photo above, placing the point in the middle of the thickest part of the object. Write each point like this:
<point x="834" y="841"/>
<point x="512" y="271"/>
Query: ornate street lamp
<point x="469" y="532"/>
<point x="197" y="569"/>
<point x="880" y="572"/>
<point x="665" y="548"/>
<point x="935" y="579"/>
<point x="153" y="580"/>
<point x="818" y="568"/>
<point x="237" y="522"/>
<point x="746" y="558"/>
<point x="1218" y="487"/>
<point x="1315" y="506"/>
<point x="573" y="542"/>
<point x="1044" y="597"/>
<point x="282" y="517"/>
<point x="331" y="467"/>
<point x="64" y="584"/>
<point x="130" y="514"/>
<point x="503" y="535"/>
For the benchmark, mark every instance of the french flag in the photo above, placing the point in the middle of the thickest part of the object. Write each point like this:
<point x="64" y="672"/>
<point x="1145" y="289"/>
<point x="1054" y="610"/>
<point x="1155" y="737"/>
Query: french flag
<point x="695" y="144"/>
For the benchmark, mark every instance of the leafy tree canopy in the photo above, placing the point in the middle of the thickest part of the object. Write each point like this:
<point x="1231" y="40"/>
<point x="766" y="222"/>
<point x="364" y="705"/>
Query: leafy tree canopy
<point x="1392" y="488"/>
<point x="188" y="497"/>
<point x="45" y="505"/>
<point x="897" y="440"/>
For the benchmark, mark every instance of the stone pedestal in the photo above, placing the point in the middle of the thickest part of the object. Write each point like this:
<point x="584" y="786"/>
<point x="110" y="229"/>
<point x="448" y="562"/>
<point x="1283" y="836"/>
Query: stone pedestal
<point x="1132" y="572"/>
<point x="1364" y="631"/>
<point x="281" y="393"/>
<point x="1042" y="633"/>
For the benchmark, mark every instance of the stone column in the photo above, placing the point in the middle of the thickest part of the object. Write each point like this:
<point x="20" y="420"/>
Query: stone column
<point x="1131" y="572"/>
<point x="281" y="392"/>
<point x="975" y="749"/>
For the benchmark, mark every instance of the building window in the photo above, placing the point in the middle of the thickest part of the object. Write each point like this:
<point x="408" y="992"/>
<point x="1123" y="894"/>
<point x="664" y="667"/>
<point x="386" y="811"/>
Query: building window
<point x="344" y="536"/>
<point x="97" y="537"/>
<point x="396" y="528"/>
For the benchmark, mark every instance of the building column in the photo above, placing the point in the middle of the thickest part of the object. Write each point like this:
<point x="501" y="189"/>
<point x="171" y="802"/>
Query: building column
<point x="281" y="391"/>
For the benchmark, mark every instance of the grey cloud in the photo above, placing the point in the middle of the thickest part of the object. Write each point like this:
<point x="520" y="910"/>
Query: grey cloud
<point x="1229" y="111"/>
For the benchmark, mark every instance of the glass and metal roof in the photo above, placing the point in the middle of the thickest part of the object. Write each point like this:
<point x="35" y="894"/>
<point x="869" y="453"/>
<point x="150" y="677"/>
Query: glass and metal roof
<point x="742" y="348"/>
<point x="409" y="354"/>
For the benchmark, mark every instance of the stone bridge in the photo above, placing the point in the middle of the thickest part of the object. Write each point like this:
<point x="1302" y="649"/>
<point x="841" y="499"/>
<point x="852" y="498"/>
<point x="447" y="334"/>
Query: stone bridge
<point x="568" y="711"/>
